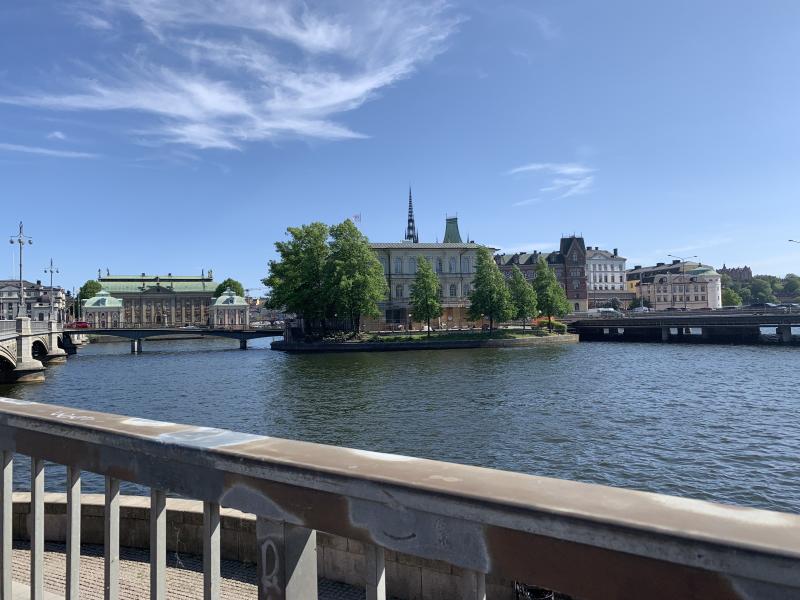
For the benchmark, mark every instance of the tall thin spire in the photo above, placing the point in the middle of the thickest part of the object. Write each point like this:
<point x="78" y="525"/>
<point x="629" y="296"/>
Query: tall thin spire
<point x="411" y="229"/>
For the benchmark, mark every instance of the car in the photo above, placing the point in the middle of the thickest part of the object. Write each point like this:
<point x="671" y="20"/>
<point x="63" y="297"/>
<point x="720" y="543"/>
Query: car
<point x="640" y="309"/>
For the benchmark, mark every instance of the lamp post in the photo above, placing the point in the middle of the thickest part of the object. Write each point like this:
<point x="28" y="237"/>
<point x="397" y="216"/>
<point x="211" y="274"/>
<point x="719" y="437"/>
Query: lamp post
<point x="683" y="260"/>
<point x="21" y="239"/>
<point x="51" y="269"/>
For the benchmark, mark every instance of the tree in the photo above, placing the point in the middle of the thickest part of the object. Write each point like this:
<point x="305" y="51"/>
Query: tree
<point x="490" y="297"/>
<point x="730" y="298"/>
<point x="353" y="277"/>
<point x="637" y="302"/>
<point x="425" y="303"/>
<point x="552" y="299"/>
<point x="791" y="285"/>
<point x="523" y="296"/>
<point x="237" y="288"/>
<point x="761" y="291"/>
<point x="88" y="290"/>
<point x="297" y="279"/>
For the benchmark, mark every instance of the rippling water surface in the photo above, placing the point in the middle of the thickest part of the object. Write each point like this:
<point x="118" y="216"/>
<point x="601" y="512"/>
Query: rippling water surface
<point x="712" y="422"/>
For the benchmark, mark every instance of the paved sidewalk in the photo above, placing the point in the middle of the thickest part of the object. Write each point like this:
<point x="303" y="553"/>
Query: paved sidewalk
<point x="184" y="575"/>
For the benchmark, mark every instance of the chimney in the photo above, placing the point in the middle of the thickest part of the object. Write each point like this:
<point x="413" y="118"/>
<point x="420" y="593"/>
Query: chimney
<point x="615" y="252"/>
<point x="659" y="264"/>
<point x="637" y="267"/>
<point x="676" y="261"/>
<point x="39" y="282"/>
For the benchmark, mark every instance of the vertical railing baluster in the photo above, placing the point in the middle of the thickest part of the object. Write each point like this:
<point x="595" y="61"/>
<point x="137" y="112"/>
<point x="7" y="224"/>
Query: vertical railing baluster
<point x="37" y="522"/>
<point x="158" y="545"/>
<point x="111" y="558"/>
<point x="211" y="541"/>
<point x="6" y="524"/>
<point x="73" y="533"/>
<point x="375" y="575"/>
<point x="473" y="585"/>
<point x="286" y="561"/>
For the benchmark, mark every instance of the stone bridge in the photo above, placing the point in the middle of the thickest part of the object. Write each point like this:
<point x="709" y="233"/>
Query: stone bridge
<point x="137" y="334"/>
<point x="26" y="346"/>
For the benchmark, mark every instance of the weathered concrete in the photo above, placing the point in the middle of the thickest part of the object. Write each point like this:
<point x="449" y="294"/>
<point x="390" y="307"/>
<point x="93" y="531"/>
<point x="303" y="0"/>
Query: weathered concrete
<point x="552" y="340"/>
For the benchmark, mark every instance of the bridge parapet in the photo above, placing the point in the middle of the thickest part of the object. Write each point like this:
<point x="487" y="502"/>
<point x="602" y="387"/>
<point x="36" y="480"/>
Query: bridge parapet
<point x="590" y="541"/>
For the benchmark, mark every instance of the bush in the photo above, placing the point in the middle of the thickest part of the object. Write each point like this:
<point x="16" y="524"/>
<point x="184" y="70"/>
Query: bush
<point x="558" y="326"/>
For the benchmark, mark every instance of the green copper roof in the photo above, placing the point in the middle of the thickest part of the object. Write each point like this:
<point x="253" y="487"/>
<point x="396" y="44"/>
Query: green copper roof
<point x="137" y="284"/>
<point x="705" y="271"/>
<point x="103" y="300"/>
<point x="229" y="299"/>
<point x="451" y="233"/>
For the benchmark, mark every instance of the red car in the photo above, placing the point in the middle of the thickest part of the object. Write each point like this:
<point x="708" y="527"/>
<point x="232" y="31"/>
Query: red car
<point x="79" y="325"/>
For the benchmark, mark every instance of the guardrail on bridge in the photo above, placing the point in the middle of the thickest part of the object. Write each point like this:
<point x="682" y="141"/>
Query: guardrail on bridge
<point x="590" y="541"/>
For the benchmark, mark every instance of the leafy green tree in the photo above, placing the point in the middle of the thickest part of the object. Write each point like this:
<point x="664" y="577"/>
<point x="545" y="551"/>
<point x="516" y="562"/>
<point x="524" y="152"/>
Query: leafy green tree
<point x="490" y="296"/>
<point x="353" y="276"/>
<point x="88" y="290"/>
<point x="744" y="293"/>
<point x="791" y="285"/>
<point x="726" y="280"/>
<point x="761" y="291"/>
<point x="730" y="298"/>
<point x="297" y="279"/>
<point x="523" y="296"/>
<point x="237" y="288"/>
<point x="425" y="293"/>
<point x="552" y="299"/>
<point x="636" y="302"/>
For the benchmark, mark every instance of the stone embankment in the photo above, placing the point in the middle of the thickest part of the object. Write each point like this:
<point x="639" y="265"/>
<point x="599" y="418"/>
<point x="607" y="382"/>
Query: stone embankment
<point x="440" y="344"/>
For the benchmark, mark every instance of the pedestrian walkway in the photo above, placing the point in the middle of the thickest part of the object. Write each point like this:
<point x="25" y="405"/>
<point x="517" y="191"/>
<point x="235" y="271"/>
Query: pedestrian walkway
<point x="184" y="575"/>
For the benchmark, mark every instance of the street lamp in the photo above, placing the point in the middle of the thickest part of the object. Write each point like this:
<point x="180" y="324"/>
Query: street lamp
<point x="21" y="239"/>
<point x="683" y="260"/>
<point x="51" y="270"/>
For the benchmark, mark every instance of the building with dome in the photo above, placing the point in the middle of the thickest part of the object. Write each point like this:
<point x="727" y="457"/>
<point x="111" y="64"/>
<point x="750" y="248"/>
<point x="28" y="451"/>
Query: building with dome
<point x="230" y="311"/>
<point x="693" y="286"/>
<point x="103" y="310"/>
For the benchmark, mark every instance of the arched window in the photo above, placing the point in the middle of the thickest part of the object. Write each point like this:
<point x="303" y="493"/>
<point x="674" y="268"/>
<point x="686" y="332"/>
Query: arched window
<point x="398" y="265"/>
<point x="412" y="266"/>
<point x="452" y="265"/>
<point x="383" y="264"/>
<point x="466" y="289"/>
<point x="577" y="306"/>
<point x="439" y="266"/>
<point x="398" y="291"/>
<point x="465" y="264"/>
<point x="453" y="289"/>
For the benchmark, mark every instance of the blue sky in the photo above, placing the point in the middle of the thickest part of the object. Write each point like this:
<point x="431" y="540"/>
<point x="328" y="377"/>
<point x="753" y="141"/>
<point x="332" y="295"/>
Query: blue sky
<point x="156" y="136"/>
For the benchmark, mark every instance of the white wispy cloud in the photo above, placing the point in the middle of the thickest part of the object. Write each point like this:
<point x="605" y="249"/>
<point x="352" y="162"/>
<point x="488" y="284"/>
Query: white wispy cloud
<point x="563" y="179"/>
<point x="56" y="135"/>
<point x="221" y="73"/>
<point x="94" y="22"/>
<point x="45" y="151"/>
<point x="527" y="202"/>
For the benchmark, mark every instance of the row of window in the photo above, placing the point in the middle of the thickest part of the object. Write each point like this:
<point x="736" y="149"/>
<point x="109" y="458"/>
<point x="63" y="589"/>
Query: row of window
<point x="697" y="298"/>
<point x="605" y="278"/>
<point x="409" y="266"/>
<point x="606" y="267"/>
<point x="679" y="289"/>
<point x="399" y="290"/>
<point x="607" y="287"/>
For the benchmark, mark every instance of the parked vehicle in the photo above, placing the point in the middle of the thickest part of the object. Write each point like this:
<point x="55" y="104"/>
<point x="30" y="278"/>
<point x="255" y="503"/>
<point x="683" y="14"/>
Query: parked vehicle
<point x="640" y="309"/>
<point x="604" y="312"/>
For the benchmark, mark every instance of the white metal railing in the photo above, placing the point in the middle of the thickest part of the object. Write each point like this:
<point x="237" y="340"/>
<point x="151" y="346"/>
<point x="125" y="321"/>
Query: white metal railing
<point x="585" y="540"/>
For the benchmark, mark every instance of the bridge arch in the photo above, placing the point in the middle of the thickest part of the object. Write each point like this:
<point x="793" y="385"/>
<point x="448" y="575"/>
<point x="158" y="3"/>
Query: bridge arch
<point x="38" y="349"/>
<point x="6" y="365"/>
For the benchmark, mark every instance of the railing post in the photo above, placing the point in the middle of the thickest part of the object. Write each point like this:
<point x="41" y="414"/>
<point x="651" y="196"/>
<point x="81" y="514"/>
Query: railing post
<point x="375" y="572"/>
<point x="37" y="522"/>
<point x="473" y="585"/>
<point x="286" y="561"/>
<point x="158" y="545"/>
<point x="211" y="555"/>
<point x="73" y="533"/>
<point x="111" y="546"/>
<point x="6" y="522"/>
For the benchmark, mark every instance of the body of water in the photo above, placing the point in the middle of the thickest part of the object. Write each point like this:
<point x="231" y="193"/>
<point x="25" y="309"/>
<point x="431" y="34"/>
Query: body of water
<point x="713" y="422"/>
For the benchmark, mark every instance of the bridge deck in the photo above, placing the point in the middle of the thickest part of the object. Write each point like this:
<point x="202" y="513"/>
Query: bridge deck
<point x="693" y="320"/>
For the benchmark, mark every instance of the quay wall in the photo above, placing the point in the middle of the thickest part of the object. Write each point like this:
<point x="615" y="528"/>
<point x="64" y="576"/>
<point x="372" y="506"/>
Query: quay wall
<point x="551" y="340"/>
<point x="338" y="558"/>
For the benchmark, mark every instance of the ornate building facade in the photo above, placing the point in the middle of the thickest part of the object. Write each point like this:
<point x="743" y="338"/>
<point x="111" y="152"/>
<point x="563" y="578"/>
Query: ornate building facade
<point x="453" y="260"/>
<point x="175" y="300"/>
<point x="37" y="300"/>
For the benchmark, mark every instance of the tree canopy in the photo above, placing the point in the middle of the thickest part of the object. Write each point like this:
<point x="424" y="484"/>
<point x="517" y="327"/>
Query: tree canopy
<point x="88" y="290"/>
<point x="354" y="282"/>
<point x="237" y="288"/>
<point x="730" y="298"/>
<point x="490" y="297"/>
<point x="425" y="302"/>
<point x="523" y="296"/>
<point x="297" y="279"/>
<point x="551" y="297"/>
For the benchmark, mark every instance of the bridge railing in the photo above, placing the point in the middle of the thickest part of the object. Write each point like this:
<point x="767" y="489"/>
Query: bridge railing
<point x="6" y="326"/>
<point x="590" y="541"/>
<point x="39" y="326"/>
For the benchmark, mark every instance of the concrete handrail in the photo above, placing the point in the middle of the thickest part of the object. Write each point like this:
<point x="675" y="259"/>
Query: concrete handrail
<point x="586" y="540"/>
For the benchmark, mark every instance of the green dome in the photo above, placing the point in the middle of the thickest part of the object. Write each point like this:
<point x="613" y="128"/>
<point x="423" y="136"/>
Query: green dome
<point x="703" y="272"/>
<point x="103" y="300"/>
<point x="229" y="299"/>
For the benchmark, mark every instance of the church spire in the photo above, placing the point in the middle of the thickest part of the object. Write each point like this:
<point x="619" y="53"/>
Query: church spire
<point x="411" y="229"/>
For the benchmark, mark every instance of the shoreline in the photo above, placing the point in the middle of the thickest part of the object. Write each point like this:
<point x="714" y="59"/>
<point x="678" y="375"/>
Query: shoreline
<point x="320" y="347"/>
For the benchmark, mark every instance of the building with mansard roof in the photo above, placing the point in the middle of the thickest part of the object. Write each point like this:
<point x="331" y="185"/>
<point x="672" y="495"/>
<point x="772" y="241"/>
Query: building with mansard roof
<point x="453" y="260"/>
<point x="38" y="300"/>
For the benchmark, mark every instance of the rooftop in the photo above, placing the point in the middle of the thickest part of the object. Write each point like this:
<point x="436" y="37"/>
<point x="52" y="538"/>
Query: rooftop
<point x="429" y="246"/>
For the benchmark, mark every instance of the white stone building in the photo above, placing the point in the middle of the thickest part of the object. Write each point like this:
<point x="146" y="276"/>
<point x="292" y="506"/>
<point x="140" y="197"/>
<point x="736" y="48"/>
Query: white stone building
<point x="694" y="289"/>
<point x="37" y="300"/>
<point x="103" y="310"/>
<point x="230" y="311"/>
